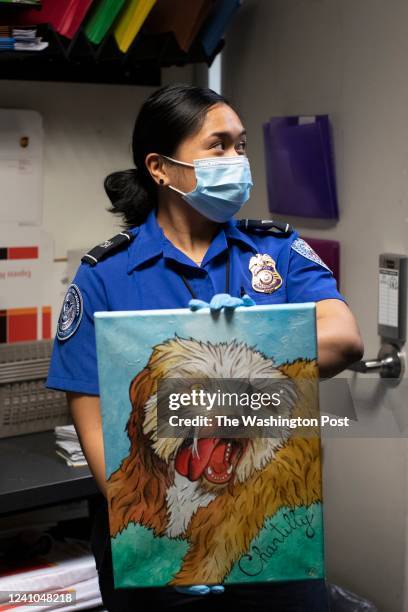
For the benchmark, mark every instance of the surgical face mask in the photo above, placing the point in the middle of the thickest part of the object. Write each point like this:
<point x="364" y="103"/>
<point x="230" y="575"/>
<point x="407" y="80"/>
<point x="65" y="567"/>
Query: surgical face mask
<point x="223" y="186"/>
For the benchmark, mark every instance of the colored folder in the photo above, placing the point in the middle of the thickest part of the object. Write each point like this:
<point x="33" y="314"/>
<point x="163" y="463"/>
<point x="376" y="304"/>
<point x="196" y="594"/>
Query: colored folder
<point x="218" y="23"/>
<point x="65" y="16"/>
<point x="130" y="22"/>
<point x="182" y="17"/>
<point x="101" y="19"/>
<point x="300" y="167"/>
<point x="73" y="17"/>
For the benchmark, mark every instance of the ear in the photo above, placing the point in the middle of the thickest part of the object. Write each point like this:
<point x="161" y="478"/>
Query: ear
<point x="137" y="489"/>
<point x="157" y="168"/>
<point x="141" y="388"/>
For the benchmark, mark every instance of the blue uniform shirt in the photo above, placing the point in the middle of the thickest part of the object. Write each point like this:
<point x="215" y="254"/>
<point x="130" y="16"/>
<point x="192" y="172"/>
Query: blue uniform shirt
<point x="147" y="275"/>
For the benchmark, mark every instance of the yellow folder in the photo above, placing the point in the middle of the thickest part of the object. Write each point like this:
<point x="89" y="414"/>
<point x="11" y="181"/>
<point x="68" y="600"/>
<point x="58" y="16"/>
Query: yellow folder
<point x="131" y="20"/>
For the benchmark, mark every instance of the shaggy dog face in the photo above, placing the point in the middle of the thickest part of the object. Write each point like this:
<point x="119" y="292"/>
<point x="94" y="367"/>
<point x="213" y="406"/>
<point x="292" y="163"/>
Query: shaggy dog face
<point x="203" y="467"/>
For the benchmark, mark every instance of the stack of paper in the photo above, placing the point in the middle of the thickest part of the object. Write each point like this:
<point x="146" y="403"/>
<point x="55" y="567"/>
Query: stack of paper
<point x="68" y="567"/>
<point x="20" y="39"/>
<point x="68" y="446"/>
<point x="26" y="39"/>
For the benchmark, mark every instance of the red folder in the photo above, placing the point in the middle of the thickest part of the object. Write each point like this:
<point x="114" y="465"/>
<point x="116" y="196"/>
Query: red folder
<point x="65" y="16"/>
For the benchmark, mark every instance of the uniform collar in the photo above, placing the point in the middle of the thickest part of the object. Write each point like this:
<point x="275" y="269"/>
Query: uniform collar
<point x="151" y="242"/>
<point x="148" y="243"/>
<point x="233" y="233"/>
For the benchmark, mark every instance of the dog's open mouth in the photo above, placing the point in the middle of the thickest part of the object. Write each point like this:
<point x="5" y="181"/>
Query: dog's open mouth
<point x="215" y="459"/>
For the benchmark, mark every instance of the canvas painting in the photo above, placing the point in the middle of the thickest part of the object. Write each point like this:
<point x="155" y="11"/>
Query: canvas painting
<point x="196" y="503"/>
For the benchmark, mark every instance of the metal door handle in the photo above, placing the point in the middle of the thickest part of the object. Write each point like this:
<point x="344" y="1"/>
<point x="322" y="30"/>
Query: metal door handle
<point x="389" y="363"/>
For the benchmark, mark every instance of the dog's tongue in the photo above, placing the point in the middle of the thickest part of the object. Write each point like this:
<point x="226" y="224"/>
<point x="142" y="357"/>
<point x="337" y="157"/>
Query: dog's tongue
<point x="192" y="464"/>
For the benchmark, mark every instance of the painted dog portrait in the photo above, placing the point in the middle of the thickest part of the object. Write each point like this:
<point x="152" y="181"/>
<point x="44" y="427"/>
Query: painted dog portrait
<point x="224" y="504"/>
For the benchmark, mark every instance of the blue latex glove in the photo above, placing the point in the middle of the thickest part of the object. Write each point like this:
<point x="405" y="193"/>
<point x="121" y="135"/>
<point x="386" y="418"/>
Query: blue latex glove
<point x="217" y="589"/>
<point x="201" y="589"/>
<point x="221" y="300"/>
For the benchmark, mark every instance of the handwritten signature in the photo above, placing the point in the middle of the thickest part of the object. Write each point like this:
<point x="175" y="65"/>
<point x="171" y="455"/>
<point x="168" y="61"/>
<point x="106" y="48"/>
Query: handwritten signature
<point x="253" y="563"/>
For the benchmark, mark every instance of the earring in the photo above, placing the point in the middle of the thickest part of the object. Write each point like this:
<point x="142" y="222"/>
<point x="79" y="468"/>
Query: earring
<point x="161" y="182"/>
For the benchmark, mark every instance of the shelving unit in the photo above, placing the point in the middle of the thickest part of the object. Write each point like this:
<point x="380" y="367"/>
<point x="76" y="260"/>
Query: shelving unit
<point x="36" y="476"/>
<point x="81" y="61"/>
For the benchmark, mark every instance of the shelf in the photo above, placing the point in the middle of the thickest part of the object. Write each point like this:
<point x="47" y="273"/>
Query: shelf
<point x="81" y="61"/>
<point x="36" y="476"/>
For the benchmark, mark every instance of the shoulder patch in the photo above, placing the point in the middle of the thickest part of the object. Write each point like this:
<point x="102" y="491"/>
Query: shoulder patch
<point x="71" y="313"/>
<point x="107" y="248"/>
<point x="303" y="248"/>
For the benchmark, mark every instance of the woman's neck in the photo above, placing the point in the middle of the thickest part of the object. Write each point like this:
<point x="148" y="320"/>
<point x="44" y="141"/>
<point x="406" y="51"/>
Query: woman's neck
<point x="189" y="231"/>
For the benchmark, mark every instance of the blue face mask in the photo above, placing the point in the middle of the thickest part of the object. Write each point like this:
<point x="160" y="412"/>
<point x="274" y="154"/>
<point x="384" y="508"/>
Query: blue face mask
<point x="223" y="186"/>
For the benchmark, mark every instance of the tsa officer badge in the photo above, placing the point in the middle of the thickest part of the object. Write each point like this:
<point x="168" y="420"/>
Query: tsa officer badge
<point x="265" y="277"/>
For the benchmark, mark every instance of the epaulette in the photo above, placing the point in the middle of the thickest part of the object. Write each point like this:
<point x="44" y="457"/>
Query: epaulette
<point x="265" y="225"/>
<point x="107" y="248"/>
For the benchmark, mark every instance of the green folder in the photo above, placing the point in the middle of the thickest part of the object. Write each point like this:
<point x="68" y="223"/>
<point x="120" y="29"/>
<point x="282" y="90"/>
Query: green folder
<point x="101" y="19"/>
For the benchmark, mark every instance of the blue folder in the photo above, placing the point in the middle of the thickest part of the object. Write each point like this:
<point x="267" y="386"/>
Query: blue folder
<point x="218" y="24"/>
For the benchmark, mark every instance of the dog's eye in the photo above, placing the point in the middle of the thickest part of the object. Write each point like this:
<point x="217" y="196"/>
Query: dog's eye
<point x="197" y="387"/>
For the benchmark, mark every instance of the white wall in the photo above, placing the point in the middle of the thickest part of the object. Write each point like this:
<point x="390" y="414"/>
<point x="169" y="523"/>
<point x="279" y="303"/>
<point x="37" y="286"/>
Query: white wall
<point x="347" y="58"/>
<point x="88" y="133"/>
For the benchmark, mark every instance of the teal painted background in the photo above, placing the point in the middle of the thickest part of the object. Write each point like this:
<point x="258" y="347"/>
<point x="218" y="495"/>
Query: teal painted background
<point x="289" y="547"/>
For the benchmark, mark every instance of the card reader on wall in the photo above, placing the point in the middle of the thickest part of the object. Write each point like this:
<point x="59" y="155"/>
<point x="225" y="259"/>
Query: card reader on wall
<point x="392" y="318"/>
<point x="392" y="297"/>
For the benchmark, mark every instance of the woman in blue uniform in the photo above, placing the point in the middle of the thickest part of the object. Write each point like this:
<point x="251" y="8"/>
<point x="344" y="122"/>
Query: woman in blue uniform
<point x="182" y="247"/>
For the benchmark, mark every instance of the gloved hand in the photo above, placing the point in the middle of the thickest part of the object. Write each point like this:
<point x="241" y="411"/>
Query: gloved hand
<point x="221" y="300"/>
<point x="201" y="589"/>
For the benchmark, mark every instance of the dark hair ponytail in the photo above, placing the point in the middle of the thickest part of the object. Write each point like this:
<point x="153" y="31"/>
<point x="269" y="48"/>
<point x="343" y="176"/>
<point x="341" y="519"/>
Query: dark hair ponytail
<point x="129" y="197"/>
<point x="167" y="117"/>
